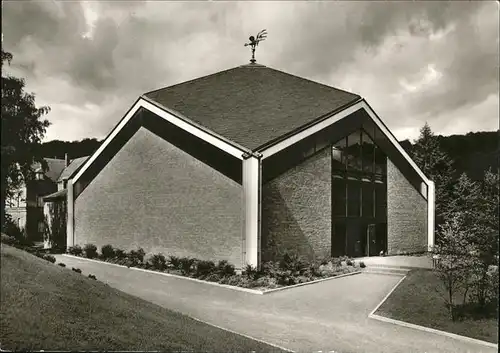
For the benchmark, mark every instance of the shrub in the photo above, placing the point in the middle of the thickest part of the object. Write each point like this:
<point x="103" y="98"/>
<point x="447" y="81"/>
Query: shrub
<point x="9" y="240"/>
<point x="274" y="270"/>
<point x="343" y="258"/>
<point x="285" y="278"/>
<point x="90" y="251"/>
<point x="10" y="228"/>
<point x="120" y="254"/>
<point x="204" y="268"/>
<point x="75" y="250"/>
<point x="234" y="280"/>
<point x="127" y="261"/>
<point x="312" y="270"/>
<point x="107" y="252"/>
<point x="62" y="264"/>
<point x="250" y="272"/>
<point x="224" y="268"/>
<point x="213" y="277"/>
<point x="362" y="264"/>
<point x="136" y="256"/>
<point x="77" y="270"/>
<point x="349" y="262"/>
<point x="293" y="262"/>
<point x="336" y="261"/>
<point x="186" y="264"/>
<point x="175" y="262"/>
<point x="270" y="268"/>
<point x="92" y="277"/>
<point x="49" y="258"/>
<point x="324" y="260"/>
<point x="158" y="262"/>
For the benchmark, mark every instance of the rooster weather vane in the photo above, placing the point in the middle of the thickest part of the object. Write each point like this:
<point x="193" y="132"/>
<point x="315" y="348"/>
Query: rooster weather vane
<point x="254" y="41"/>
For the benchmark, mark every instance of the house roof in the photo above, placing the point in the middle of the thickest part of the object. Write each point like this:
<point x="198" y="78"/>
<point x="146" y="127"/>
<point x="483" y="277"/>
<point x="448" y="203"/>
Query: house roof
<point x="54" y="168"/>
<point x="72" y="168"/>
<point x="252" y="105"/>
<point x="61" y="194"/>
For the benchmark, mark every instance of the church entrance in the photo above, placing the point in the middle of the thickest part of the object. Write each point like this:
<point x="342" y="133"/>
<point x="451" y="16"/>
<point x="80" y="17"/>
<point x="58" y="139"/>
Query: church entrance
<point x="359" y="196"/>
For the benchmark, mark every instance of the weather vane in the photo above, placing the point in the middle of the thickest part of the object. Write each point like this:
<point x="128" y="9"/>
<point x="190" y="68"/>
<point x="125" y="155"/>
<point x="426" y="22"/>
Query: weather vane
<point x="254" y="41"/>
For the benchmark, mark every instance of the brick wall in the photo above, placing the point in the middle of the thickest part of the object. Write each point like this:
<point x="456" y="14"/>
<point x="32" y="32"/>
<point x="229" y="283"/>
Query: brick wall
<point x="155" y="196"/>
<point x="406" y="214"/>
<point x="296" y="210"/>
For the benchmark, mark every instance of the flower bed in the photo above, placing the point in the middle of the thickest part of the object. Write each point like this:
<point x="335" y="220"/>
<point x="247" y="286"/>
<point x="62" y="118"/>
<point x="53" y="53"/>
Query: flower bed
<point x="291" y="270"/>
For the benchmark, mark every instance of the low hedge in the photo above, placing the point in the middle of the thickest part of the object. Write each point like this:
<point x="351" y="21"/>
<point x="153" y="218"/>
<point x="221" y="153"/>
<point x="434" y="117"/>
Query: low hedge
<point x="290" y="270"/>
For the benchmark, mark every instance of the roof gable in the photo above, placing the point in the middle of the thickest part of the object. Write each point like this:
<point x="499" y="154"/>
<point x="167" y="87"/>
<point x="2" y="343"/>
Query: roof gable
<point x="54" y="167"/>
<point x="72" y="168"/>
<point x="252" y="105"/>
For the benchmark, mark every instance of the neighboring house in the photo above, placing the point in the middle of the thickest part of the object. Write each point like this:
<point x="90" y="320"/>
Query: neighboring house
<point x="246" y="164"/>
<point x="55" y="207"/>
<point x="26" y="207"/>
<point x="75" y="164"/>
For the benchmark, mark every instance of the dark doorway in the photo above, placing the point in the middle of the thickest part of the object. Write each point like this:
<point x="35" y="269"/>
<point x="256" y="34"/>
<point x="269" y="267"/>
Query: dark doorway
<point x="371" y="239"/>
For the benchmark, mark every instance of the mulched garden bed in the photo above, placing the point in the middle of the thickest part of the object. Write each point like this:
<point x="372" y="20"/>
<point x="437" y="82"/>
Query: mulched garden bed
<point x="291" y="270"/>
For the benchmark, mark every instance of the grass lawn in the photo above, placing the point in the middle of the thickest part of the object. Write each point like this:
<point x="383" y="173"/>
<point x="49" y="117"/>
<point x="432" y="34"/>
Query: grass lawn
<point x="44" y="306"/>
<point x="417" y="301"/>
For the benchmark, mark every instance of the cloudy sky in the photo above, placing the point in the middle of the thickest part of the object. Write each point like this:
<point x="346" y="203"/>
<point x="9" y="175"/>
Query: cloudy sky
<point x="413" y="62"/>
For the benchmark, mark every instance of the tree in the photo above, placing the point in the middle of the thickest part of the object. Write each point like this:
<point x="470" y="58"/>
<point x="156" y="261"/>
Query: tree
<point x="468" y="243"/>
<point x="455" y="261"/>
<point x="437" y="166"/>
<point x="22" y="132"/>
<point x="486" y="236"/>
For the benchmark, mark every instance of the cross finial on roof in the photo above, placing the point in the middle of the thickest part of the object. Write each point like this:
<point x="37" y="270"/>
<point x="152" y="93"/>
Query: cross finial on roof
<point x="254" y="41"/>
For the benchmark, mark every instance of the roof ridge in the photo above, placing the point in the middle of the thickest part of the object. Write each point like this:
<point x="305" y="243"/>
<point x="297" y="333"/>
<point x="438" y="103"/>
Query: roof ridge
<point x="54" y="159"/>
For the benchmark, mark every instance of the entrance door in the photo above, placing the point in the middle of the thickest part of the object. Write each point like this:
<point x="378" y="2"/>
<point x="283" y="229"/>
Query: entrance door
<point x="371" y="240"/>
<point x="355" y="238"/>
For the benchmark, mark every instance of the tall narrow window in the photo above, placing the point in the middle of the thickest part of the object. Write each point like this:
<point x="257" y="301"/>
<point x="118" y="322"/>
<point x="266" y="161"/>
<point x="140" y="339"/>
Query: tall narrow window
<point x="339" y="196"/>
<point x="380" y="162"/>
<point x="380" y="200"/>
<point x="368" y="153"/>
<point x="338" y="155"/>
<point x="339" y="239"/>
<point x="353" y="198"/>
<point x="367" y="200"/>
<point x="354" y="152"/>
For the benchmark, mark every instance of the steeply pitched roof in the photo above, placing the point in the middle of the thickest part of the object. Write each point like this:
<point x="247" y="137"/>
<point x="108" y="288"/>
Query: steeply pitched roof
<point x="54" y="168"/>
<point x="72" y="168"/>
<point x="252" y="105"/>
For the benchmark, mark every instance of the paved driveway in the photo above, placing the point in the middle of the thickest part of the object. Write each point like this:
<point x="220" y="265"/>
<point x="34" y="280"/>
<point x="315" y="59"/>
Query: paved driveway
<point x="326" y="316"/>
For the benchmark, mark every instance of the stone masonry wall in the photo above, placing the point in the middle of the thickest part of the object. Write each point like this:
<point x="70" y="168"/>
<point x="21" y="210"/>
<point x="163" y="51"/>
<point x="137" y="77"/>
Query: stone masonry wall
<point x="406" y="214"/>
<point x="296" y="210"/>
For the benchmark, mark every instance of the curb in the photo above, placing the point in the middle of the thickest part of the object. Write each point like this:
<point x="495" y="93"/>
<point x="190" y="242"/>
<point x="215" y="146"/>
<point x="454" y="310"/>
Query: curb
<point x="241" y="289"/>
<point x="431" y="330"/>
<point x="269" y="291"/>
<point x="387" y="296"/>
<point x="375" y="272"/>
<point x="374" y="316"/>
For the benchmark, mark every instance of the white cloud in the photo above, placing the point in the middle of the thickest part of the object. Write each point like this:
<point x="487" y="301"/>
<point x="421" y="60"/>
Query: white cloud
<point x="90" y="11"/>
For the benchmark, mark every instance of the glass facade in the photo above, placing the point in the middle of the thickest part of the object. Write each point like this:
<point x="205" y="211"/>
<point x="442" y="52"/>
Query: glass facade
<point x="359" y="196"/>
<point x="358" y="181"/>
